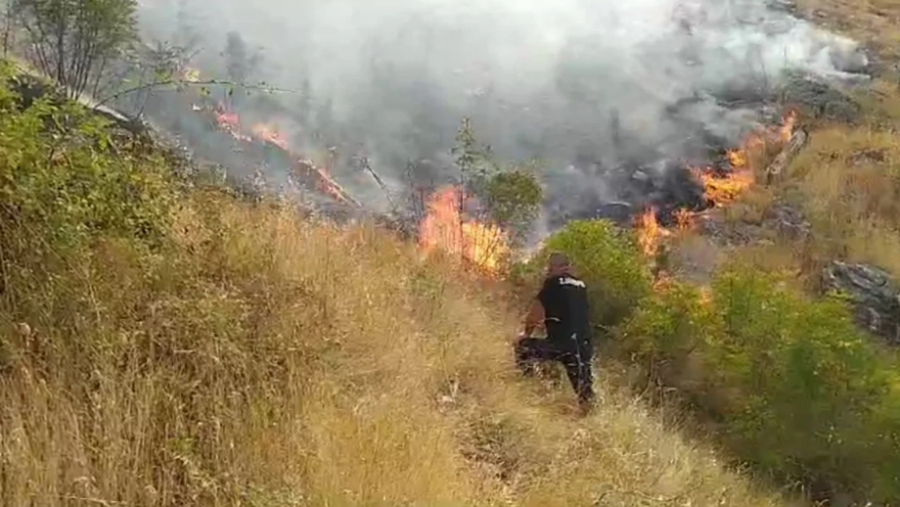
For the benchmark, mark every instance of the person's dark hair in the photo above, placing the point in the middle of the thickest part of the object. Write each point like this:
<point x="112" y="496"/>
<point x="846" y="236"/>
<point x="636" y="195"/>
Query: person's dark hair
<point x="558" y="260"/>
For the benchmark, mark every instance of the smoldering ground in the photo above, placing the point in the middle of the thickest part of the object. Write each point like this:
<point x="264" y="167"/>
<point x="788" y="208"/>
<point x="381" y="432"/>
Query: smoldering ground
<point x="591" y="89"/>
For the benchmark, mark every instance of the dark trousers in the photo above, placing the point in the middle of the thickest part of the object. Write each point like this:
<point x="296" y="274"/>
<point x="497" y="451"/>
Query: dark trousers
<point x="574" y="356"/>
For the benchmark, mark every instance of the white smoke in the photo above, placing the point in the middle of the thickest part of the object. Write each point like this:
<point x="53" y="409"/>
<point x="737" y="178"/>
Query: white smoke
<point x="540" y="79"/>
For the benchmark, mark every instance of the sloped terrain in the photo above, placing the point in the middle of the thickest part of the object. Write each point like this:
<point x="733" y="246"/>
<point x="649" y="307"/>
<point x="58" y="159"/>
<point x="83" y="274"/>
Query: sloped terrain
<point x="164" y="343"/>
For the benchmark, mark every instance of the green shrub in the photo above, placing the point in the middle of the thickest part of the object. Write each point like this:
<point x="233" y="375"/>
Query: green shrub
<point x="63" y="179"/>
<point x="513" y="200"/>
<point x="798" y="391"/>
<point x="66" y="184"/>
<point x="668" y="333"/>
<point x="608" y="260"/>
<point x="811" y="380"/>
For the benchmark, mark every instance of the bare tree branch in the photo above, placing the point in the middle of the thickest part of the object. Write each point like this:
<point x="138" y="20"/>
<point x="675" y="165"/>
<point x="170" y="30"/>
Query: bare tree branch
<point x="183" y="83"/>
<point x="365" y="164"/>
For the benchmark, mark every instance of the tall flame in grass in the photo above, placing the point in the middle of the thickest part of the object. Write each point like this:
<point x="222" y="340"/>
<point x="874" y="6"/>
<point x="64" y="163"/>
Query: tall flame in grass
<point x="649" y="232"/>
<point x="722" y="189"/>
<point x="445" y="228"/>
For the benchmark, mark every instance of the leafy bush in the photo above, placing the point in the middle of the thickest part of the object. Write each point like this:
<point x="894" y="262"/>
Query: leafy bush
<point x="63" y="178"/>
<point x="797" y="390"/>
<point x="513" y="199"/>
<point x="608" y="260"/>
<point x="789" y="384"/>
<point x="665" y="335"/>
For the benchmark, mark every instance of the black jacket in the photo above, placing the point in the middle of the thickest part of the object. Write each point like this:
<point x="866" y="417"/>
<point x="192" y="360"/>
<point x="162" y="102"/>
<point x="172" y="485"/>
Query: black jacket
<point x="566" y="309"/>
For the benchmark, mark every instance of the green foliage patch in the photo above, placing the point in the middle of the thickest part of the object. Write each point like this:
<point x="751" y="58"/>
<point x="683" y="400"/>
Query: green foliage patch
<point x="609" y="261"/>
<point x="64" y="180"/>
<point x="789" y="384"/>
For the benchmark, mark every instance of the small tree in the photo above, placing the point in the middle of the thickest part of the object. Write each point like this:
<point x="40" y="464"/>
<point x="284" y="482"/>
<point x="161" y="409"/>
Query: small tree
<point x="508" y="198"/>
<point x="73" y="41"/>
<point x="238" y="60"/>
<point x="7" y="21"/>
<point x="512" y="198"/>
<point x="304" y="103"/>
<point x="473" y="160"/>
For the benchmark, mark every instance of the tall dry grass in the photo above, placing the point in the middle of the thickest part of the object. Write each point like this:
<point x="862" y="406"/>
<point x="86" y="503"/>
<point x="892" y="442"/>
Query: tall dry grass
<point x="870" y="21"/>
<point x="263" y="360"/>
<point x="845" y="181"/>
<point x="848" y="181"/>
<point x="847" y="178"/>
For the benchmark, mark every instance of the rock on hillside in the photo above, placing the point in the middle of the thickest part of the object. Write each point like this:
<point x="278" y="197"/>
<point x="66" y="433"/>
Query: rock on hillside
<point x="876" y="298"/>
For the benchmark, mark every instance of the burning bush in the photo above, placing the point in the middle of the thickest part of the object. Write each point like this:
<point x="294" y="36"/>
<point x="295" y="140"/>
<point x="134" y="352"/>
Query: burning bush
<point x="798" y="390"/>
<point x="504" y="201"/>
<point x="445" y="228"/>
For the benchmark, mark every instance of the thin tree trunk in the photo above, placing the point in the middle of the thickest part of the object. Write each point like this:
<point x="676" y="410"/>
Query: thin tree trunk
<point x="7" y="28"/>
<point x="61" y="50"/>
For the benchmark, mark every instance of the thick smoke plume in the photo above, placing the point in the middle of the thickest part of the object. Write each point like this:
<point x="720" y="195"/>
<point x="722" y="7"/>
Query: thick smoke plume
<point x="584" y="86"/>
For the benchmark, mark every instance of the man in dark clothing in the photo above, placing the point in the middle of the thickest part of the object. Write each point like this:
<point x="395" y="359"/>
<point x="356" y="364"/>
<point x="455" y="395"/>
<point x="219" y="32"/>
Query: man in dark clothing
<point x="562" y="305"/>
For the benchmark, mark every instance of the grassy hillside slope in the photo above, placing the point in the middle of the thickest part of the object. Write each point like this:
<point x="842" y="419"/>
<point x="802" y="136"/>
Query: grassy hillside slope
<point x="165" y="343"/>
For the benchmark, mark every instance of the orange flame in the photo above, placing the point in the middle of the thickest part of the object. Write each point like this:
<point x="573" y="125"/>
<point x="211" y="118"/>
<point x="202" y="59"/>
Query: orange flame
<point x="788" y="123"/>
<point x="650" y="232"/>
<point x="230" y="122"/>
<point x="227" y="118"/>
<point x="324" y="182"/>
<point x="720" y="190"/>
<point x="444" y="228"/>
<point x="684" y="219"/>
<point x="269" y="133"/>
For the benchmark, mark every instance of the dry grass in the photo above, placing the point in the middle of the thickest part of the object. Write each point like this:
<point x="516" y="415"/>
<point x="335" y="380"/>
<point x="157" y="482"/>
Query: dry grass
<point x="266" y="361"/>
<point x="848" y="181"/>
<point x="751" y="207"/>
<point x="876" y="22"/>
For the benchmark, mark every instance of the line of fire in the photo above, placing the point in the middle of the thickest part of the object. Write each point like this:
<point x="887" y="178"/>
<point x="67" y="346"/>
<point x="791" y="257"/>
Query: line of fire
<point x="258" y="143"/>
